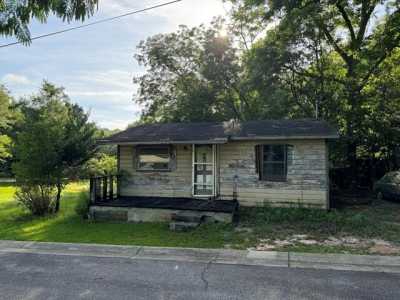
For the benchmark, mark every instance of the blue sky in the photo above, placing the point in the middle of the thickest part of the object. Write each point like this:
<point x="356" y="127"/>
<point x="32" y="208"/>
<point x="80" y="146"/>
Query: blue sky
<point x="96" y="64"/>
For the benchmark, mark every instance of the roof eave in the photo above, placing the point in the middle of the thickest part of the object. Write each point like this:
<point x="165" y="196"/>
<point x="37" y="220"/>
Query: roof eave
<point x="284" y="137"/>
<point x="166" y="142"/>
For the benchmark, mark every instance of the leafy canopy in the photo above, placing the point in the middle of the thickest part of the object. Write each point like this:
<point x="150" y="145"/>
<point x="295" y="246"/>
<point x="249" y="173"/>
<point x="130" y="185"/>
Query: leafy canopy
<point x="15" y="15"/>
<point x="6" y="120"/>
<point x="335" y="60"/>
<point x="192" y="75"/>
<point x="54" y="140"/>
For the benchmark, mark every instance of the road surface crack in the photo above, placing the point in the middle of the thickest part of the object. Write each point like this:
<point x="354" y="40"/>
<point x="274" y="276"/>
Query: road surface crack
<point x="205" y="270"/>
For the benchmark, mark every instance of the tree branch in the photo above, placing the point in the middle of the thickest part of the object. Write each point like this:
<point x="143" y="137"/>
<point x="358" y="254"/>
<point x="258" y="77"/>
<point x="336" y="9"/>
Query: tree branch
<point x="335" y="45"/>
<point x="310" y="75"/>
<point x="347" y="20"/>
<point x="366" y="11"/>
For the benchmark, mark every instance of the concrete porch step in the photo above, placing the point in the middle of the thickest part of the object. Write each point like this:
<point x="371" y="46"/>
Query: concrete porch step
<point x="187" y="216"/>
<point x="183" y="226"/>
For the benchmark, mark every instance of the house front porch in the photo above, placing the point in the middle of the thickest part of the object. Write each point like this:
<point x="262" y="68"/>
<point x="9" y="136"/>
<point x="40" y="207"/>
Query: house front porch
<point x="107" y="204"/>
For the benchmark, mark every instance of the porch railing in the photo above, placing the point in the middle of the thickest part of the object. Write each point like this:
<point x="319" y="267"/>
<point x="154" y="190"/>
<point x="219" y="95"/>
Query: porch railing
<point x="104" y="188"/>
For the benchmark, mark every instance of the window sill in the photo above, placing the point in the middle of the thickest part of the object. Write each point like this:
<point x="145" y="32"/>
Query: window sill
<point x="273" y="180"/>
<point x="152" y="171"/>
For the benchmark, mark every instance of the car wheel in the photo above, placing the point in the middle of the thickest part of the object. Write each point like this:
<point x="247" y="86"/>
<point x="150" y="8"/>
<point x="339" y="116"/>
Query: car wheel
<point x="379" y="195"/>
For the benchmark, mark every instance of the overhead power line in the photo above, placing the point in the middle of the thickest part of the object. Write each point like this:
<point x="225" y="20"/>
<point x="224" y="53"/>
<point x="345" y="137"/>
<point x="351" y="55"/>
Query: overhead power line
<point x="94" y="23"/>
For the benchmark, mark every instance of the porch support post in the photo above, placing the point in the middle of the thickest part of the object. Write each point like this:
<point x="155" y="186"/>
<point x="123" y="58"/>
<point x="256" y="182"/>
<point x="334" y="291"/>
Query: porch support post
<point x="111" y="189"/>
<point x="104" y="195"/>
<point x="92" y="190"/>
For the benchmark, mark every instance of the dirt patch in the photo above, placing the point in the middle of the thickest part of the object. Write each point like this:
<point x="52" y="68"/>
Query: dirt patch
<point x="372" y="246"/>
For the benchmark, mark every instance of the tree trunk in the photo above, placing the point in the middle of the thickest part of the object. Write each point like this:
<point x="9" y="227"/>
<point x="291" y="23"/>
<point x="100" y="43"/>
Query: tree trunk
<point x="353" y="101"/>
<point x="58" y="197"/>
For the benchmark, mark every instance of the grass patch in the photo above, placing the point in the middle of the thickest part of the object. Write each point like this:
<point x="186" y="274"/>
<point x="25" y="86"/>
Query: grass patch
<point x="69" y="226"/>
<point x="379" y="220"/>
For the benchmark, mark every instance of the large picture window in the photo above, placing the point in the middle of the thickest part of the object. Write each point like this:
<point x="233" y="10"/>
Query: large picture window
<point x="272" y="162"/>
<point x="153" y="158"/>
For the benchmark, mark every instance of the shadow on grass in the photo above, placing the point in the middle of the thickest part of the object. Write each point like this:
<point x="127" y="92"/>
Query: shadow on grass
<point x="67" y="226"/>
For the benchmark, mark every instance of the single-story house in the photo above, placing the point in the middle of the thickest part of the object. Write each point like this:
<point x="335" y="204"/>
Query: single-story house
<point x="195" y="166"/>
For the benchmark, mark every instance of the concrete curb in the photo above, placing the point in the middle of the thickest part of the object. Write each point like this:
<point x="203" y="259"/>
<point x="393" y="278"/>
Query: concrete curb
<point x="373" y="263"/>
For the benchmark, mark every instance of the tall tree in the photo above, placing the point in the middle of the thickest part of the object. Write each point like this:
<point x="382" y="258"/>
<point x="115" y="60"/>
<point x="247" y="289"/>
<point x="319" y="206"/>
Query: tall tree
<point x="6" y="120"/>
<point x="54" y="140"/>
<point x="15" y="15"/>
<point x="191" y="75"/>
<point x="359" y="36"/>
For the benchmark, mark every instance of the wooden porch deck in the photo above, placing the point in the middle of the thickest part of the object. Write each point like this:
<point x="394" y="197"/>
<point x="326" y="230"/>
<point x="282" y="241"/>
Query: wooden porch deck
<point x="104" y="192"/>
<point x="224" y="206"/>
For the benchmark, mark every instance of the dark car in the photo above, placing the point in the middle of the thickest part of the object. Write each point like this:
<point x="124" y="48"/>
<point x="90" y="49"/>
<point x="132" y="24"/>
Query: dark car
<point x="388" y="187"/>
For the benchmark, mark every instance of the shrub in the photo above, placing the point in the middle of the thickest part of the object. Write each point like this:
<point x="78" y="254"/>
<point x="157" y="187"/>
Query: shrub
<point x="82" y="206"/>
<point x="38" y="199"/>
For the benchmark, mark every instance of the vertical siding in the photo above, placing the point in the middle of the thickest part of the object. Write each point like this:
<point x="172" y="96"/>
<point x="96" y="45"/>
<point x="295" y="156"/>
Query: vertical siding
<point x="176" y="183"/>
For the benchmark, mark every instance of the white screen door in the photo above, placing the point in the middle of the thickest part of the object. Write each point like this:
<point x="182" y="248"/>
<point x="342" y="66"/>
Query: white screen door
<point x="204" y="170"/>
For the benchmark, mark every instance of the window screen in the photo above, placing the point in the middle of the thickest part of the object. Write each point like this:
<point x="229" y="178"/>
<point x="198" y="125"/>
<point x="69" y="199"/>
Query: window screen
<point x="273" y="164"/>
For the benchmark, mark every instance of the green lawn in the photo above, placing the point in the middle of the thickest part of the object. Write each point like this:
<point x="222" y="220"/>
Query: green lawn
<point x="67" y="226"/>
<point x="381" y="220"/>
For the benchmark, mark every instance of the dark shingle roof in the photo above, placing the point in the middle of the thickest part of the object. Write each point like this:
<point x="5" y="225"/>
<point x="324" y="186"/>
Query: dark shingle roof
<point x="221" y="132"/>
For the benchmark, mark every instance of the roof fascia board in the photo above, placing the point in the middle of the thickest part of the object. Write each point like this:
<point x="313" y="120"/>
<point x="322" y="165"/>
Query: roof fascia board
<point x="284" y="137"/>
<point x="219" y="141"/>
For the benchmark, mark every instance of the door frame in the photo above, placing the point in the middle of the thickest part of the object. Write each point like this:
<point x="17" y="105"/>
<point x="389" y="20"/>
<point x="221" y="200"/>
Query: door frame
<point x="214" y="170"/>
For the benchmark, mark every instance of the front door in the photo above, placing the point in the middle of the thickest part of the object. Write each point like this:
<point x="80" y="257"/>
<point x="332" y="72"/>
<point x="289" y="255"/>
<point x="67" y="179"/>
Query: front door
<point x="204" y="170"/>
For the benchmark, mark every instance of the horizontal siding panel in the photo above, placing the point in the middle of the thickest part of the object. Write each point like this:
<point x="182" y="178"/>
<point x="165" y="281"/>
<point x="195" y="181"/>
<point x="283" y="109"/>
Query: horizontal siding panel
<point x="306" y="180"/>
<point x="307" y="175"/>
<point x="176" y="183"/>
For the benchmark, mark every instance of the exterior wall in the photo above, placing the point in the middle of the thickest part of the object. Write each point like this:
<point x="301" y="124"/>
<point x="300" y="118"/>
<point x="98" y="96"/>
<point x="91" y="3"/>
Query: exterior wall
<point x="307" y="181"/>
<point x="175" y="183"/>
<point x="307" y="178"/>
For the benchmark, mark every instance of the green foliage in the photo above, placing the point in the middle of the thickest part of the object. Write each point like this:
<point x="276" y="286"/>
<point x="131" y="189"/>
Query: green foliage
<point x="318" y="222"/>
<point x="377" y="221"/>
<point x="192" y="75"/>
<point x="6" y="121"/>
<point x="83" y="204"/>
<point x="67" y="226"/>
<point x="331" y="60"/>
<point x="15" y="15"/>
<point x="5" y="110"/>
<point x="54" y="140"/>
<point x="8" y="117"/>
<point x="39" y="199"/>
<point x="106" y="149"/>
<point x="334" y="59"/>
<point x="101" y="164"/>
<point x="5" y="142"/>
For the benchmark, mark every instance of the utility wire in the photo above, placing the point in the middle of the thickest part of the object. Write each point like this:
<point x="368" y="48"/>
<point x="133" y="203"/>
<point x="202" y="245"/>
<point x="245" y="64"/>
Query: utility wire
<point x="94" y="23"/>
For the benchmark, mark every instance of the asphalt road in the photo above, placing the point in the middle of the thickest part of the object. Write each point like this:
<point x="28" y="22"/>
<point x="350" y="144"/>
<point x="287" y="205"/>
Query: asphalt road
<point x="44" y="276"/>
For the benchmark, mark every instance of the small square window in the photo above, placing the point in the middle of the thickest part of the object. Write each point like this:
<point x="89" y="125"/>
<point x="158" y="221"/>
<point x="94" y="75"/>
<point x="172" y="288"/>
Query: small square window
<point x="273" y="165"/>
<point x="150" y="158"/>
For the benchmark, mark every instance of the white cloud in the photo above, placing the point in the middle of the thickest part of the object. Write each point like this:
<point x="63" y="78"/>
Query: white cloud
<point x="114" y="123"/>
<point x="100" y="94"/>
<point x="110" y="78"/>
<point x="187" y="12"/>
<point x="96" y="65"/>
<point x="15" y="79"/>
